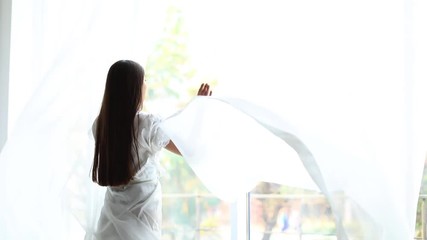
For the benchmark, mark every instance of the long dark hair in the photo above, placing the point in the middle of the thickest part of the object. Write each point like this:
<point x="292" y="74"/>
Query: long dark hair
<point x="115" y="139"/>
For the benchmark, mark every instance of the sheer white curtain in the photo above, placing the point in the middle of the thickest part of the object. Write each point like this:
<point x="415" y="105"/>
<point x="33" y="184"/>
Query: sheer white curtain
<point x="60" y="54"/>
<point x="349" y="77"/>
<point x="342" y="82"/>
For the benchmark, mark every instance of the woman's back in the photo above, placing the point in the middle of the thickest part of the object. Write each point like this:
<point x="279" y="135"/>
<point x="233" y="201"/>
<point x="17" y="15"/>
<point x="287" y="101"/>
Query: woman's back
<point x="126" y="157"/>
<point x="133" y="210"/>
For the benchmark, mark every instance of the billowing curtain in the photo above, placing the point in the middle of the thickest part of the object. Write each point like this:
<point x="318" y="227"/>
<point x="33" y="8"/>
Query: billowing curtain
<point x="323" y="95"/>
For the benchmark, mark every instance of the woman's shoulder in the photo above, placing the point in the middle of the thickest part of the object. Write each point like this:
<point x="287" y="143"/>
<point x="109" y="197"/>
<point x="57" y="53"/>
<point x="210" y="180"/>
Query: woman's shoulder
<point x="147" y="120"/>
<point x="148" y="117"/>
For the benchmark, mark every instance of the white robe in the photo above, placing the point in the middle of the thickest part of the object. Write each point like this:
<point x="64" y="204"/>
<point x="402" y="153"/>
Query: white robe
<point x="134" y="211"/>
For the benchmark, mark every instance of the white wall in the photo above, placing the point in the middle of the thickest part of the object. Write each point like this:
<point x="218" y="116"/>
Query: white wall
<point x="5" y="23"/>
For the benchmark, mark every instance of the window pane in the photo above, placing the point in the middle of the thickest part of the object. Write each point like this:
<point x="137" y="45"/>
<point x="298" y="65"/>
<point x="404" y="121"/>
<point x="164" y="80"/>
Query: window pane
<point x="189" y="210"/>
<point x="280" y="212"/>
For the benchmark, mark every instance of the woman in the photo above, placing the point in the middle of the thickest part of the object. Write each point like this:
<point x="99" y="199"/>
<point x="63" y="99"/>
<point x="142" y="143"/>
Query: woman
<point x="126" y="159"/>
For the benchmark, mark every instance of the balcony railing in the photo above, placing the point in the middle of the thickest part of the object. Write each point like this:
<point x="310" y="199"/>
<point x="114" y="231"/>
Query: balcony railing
<point x="244" y="218"/>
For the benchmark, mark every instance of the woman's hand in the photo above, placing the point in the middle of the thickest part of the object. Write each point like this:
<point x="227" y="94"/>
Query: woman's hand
<point x="204" y="90"/>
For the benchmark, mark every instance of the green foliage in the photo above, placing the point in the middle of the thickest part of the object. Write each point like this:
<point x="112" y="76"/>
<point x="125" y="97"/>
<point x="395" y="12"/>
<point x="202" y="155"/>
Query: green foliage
<point x="180" y="178"/>
<point x="171" y="77"/>
<point x="169" y="66"/>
